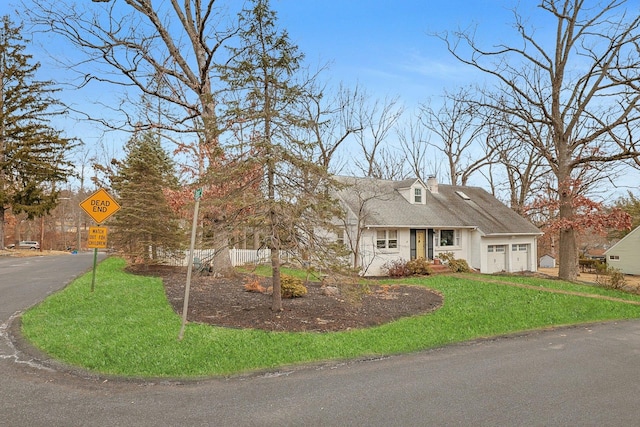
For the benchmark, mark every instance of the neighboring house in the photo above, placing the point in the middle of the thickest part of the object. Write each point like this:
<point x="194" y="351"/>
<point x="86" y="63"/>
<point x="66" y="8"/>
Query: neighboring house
<point x="547" y="261"/>
<point x="388" y="221"/>
<point x="625" y="255"/>
<point x="595" y="253"/>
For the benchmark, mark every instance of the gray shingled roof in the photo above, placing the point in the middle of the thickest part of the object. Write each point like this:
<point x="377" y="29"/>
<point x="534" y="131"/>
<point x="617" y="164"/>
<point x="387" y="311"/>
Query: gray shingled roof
<point x="386" y="207"/>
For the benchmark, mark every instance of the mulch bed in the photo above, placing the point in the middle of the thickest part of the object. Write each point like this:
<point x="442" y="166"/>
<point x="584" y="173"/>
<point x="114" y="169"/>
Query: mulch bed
<point x="223" y="301"/>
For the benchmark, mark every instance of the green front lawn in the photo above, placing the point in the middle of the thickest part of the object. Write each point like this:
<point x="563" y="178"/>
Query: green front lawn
<point x="126" y="326"/>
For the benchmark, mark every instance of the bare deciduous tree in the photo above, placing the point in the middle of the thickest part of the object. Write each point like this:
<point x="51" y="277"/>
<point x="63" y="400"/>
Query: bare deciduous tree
<point x="520" y="172"/>
<point x="332" y="123"/>
<point x="415" y="143"/>
<point x="461" y="134"/>
<point x="576" y="100"/>
<point x="378" y="119"/>
<point x="163" y="50"/>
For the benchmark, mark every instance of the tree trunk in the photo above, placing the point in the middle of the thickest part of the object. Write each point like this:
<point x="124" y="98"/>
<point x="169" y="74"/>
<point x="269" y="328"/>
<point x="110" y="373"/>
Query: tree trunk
<point x="276" y="299"/>
<point x="2" y="217"/>
<point x="275" y="243"/>
<point x="568" y="255"/>
<point x="221" y="263"/>
<point x="568" y="252"/>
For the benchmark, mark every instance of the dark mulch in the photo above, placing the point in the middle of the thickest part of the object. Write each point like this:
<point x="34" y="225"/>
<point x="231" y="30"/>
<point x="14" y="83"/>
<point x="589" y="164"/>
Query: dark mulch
<point x="224" y="302"/>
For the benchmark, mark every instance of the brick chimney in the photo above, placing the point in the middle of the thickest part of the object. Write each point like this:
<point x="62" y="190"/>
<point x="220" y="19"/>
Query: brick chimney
<point x="432" y="184"/>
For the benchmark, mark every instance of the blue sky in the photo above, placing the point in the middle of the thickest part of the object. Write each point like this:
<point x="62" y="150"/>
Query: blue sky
<point x="382" y="45"/>
<point x="385" y="46"/>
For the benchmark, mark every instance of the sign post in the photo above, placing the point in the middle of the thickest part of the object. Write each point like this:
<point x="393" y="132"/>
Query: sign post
<point x="99" y="206"/>
<point x="197" y="195"/>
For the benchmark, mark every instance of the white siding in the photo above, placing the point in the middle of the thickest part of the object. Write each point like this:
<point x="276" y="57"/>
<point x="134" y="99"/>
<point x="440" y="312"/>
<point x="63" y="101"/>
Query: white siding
<point x="372" y="259"/>
<point x="473" y="248"/>
<point x="626" y="253"/>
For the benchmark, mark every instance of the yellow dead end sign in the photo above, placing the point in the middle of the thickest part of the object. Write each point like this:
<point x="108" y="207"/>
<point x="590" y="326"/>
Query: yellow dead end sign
<point x="100" y="206"/>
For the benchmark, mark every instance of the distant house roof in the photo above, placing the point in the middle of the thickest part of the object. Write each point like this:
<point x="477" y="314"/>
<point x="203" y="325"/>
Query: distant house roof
<point x="449" y="206"/>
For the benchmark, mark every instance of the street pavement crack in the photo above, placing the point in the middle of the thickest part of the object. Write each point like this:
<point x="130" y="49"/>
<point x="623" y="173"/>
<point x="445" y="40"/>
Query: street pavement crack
<point x="8" y="350"/>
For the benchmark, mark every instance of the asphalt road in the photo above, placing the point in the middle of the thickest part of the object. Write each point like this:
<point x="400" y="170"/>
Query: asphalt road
<point x="587" y="376"/>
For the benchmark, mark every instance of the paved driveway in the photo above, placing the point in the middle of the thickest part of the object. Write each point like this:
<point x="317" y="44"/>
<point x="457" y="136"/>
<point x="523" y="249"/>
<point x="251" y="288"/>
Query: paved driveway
<point x="586" y="375"/>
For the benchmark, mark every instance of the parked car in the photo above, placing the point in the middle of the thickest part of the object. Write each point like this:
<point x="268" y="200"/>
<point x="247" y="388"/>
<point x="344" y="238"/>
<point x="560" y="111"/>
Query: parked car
<point x="25" y="244"/>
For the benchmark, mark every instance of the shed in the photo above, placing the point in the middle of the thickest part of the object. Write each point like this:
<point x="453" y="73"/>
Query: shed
<point x="547" y="261"/>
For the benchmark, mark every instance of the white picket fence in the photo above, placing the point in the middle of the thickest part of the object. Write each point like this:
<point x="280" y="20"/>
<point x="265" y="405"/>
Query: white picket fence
<point x="238" y="256"/>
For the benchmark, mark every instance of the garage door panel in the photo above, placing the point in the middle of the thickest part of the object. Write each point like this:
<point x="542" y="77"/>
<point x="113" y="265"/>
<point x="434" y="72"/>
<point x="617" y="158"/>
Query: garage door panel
<point x="519" y="257"/>
<point x="497" y="259"/>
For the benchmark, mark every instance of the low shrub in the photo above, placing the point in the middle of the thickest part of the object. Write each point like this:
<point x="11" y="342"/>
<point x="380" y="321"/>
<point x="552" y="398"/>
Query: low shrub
<point x="396" y="268"/>
<point x="388" y="292"/>
<point x="601" y="268"/>
<point x="455" y="265"/>
<point x="588" y="264"/>
<point x="419" y="267"/>
<point x="352" y="290"/>
<point x="253" y="285"/>
<point x="611" y="278"/>
<point x="291" y="287"/>
<point x="402" y="268"/>
<point x="350" y="287"/>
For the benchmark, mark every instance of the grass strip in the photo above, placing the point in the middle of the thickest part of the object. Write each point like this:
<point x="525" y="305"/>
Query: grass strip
<point x="127" y="327"/>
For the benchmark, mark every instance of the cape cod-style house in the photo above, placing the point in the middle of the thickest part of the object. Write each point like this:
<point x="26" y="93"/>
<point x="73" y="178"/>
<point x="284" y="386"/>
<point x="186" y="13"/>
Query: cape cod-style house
<point x="389" y="220"/>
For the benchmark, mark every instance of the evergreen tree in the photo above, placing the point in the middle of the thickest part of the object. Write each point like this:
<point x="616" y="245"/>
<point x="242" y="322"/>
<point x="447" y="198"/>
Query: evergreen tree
<point x="32" y="153"/>
<point x="261" y="74"/>
<point x="145" y="222"/>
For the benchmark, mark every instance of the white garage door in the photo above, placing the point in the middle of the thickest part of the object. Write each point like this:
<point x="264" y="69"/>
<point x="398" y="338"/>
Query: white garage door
<point x="496" y="258"/>
<point x="519" y="257"/>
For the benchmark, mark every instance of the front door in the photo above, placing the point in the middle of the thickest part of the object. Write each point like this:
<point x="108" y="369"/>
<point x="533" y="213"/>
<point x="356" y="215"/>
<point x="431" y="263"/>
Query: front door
<point x="420" y="244"/>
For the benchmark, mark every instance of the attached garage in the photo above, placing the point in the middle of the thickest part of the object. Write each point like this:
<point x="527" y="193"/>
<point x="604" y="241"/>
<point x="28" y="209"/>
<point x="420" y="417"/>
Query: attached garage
<point x="497" y="258"/>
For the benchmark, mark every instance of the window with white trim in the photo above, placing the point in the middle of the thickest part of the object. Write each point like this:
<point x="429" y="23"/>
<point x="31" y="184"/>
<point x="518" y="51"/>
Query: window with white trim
<point x="496" y="248"/>
<point x="417" y="195"/>
<point x="614" y="257"/>
<point x="519" y="247"/>
<point x="387" y="239"/>
<point x="449" y="238"/>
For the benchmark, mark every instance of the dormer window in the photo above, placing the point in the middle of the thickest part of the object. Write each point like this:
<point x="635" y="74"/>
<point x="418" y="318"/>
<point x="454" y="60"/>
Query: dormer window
<point x="417" y="195"/>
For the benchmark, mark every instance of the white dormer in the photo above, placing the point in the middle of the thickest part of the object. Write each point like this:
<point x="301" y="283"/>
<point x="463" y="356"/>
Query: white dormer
<point x="415" y="192"/>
